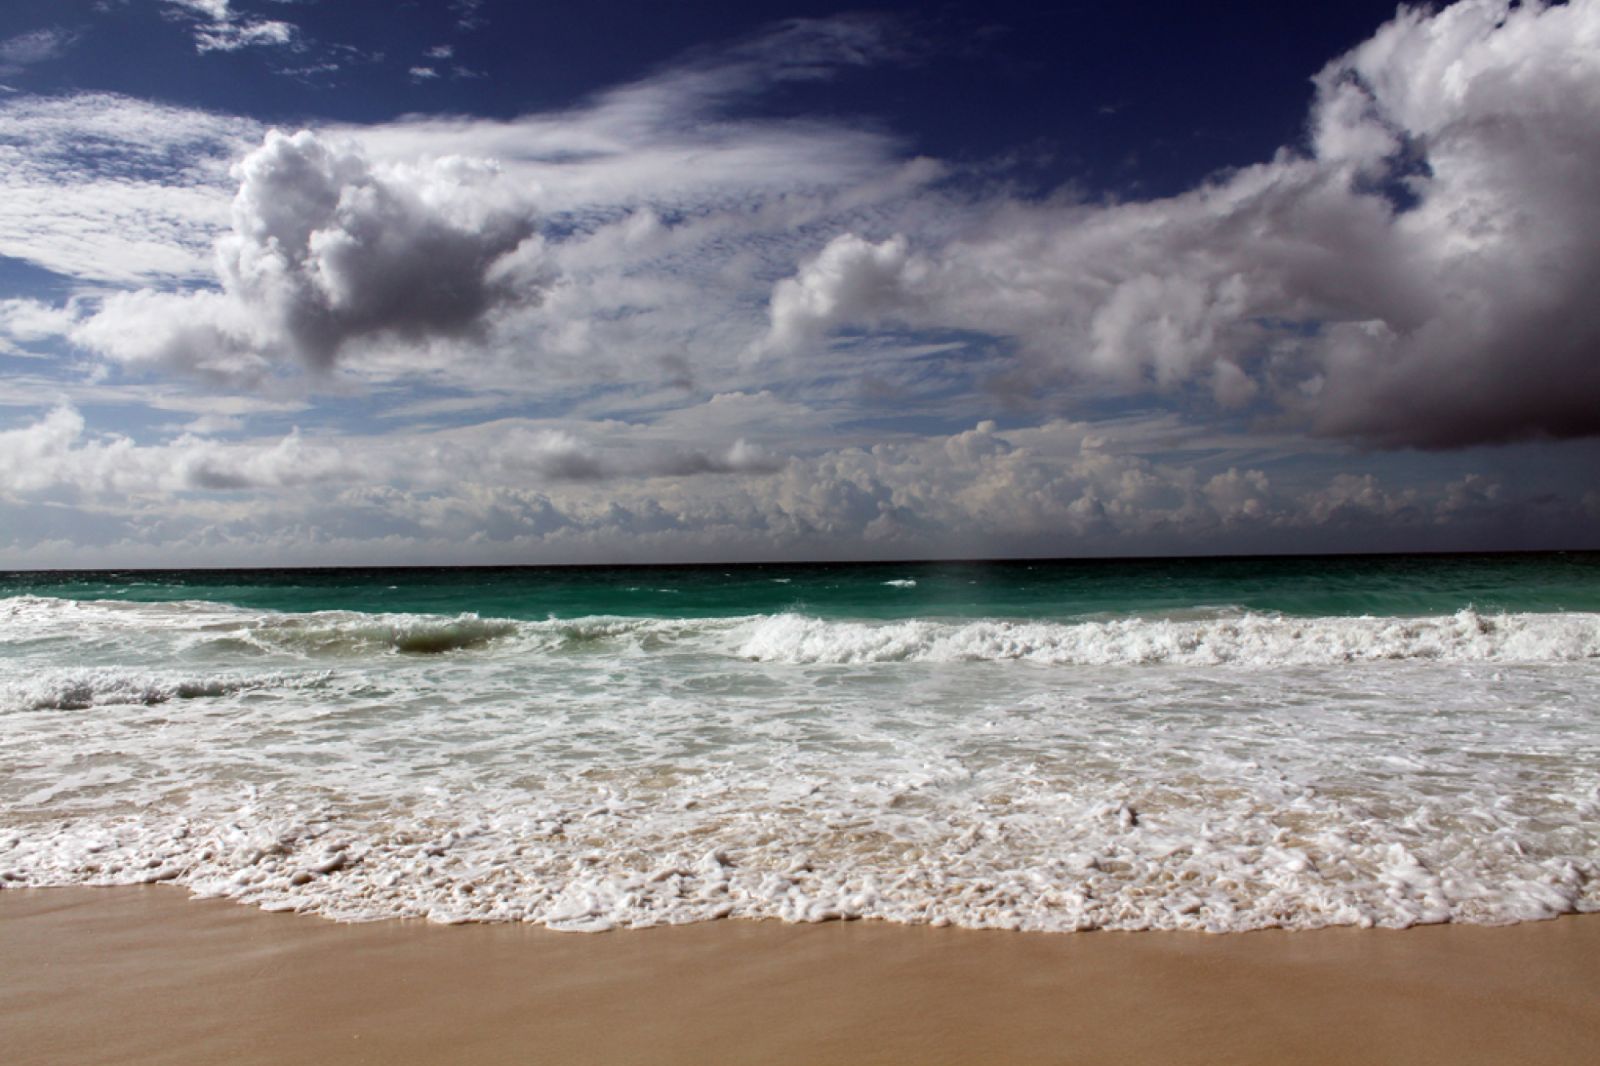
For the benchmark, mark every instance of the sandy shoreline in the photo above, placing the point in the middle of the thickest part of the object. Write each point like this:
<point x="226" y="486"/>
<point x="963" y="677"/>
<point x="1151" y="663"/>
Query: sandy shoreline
<point x="149" y="976"/>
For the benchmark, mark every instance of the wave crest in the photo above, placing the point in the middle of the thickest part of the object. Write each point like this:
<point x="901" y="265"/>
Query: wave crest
<point x="1246" y="639"/>
<point x="328" y="633"/>
<point x="1217" y="637"/>
<point x="81" y="689"/>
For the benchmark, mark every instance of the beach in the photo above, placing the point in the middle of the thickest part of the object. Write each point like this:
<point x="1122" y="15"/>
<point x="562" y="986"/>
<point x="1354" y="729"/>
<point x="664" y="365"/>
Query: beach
<point x="748" y="533"/>
<point x="768" y="533"/>
<point x="147" y="976"/>
<point x="1250" y="811"/>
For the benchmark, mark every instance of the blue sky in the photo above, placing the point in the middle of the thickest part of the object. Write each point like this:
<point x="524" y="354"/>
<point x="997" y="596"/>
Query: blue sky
<point x="318" y="282"/>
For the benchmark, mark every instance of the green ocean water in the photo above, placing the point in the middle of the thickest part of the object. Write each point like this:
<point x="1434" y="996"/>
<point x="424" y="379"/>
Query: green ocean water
<point x="1059" y="590"/>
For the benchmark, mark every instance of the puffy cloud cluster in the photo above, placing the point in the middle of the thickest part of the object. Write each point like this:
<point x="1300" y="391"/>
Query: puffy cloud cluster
<point x="1419" y="274"/>
<point x="1424" y="277"/>
<point x="328" y="249"/>
<point x="516" y="454"/>
<point x="28" y="321"/>
<point x="663" y="211"/>
<point x="851" y="280"/>
<point x="57" y="457"/>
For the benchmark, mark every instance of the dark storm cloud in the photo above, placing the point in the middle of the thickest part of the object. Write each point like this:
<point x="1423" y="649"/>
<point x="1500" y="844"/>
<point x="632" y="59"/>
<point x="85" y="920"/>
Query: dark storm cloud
<point x="342" y="251"/>
<point x="327" y="249"/>
<point x="1424" y="276"/>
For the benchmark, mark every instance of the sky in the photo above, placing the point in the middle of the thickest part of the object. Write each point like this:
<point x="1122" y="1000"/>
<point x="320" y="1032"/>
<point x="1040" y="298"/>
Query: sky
<point x="339" y="282"/>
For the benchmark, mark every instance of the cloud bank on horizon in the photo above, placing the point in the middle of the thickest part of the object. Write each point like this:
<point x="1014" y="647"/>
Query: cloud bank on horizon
<point x="674" y="319"/>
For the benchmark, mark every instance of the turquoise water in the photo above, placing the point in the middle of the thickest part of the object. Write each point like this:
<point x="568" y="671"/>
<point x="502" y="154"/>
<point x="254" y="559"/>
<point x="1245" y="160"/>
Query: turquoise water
<point x="1397" y="585"/>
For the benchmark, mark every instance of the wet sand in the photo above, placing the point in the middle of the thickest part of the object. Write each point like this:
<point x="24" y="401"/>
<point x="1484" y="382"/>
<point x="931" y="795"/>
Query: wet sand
<point x="146" y="975"/>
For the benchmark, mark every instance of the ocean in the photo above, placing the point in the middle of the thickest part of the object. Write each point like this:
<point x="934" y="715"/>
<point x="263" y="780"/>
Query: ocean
<point x="1207" y="744"/>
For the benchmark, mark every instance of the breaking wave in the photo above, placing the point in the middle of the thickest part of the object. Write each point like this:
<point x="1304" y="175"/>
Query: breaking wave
<point x="1244" y="639"/>
<point x="328" y="633"/>
<point x="71" y="690"/>
<point x="1218" y="637"/>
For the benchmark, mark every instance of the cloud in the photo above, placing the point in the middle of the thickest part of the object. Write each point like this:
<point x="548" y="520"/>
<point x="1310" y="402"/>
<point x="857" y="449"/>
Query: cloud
<point x="850" y="280"/>
<point x="43" y="385"/>
<point x="327" y="250"/>
<point x="30" y="321"/>
<point x="1423" y="277"/>
<point x="468" y="14"/>
<point x="104" y="188"/>
<point x="1417" y="274"/>
<point x="675" y="140"/>
<point x="580" y="492"/>
<point x="664" y="207"/>
<point x="217" y="28"/>
<point x="660" y="206"/>
<point x="58" y="454"/>
<point x="559" y="455"/>
<point x="24" y="50"/>
<point x="680" y="331"/>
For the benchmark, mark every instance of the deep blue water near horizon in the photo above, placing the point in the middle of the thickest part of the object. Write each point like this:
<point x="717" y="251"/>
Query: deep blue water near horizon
<point x="1063" y="589"/>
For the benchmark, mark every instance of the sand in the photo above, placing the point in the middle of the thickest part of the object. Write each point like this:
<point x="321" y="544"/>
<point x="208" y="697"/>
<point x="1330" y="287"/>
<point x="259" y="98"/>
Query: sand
<point x="147" y="975"/>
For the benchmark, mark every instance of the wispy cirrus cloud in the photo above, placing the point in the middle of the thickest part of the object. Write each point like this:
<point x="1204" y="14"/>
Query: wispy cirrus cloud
<point x="217" y="27"/>
<point x="469" y="14"/>
<point x="664" y="142"/>
<point x="19" y="52"/>
<point x="108" y="189"/>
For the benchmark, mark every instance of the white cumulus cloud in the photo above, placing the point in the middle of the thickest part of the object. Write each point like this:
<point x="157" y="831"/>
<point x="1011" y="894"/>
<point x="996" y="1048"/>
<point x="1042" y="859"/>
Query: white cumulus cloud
<point x="1425" y="276"/>
<point x="327" y="249"/>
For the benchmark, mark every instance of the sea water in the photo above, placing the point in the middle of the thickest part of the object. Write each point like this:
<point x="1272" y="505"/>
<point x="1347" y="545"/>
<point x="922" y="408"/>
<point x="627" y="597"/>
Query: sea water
<point x="1184" y="744"/>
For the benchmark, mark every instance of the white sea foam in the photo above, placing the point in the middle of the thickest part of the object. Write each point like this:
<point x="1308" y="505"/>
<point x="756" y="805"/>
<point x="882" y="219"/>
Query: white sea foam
<point x="1231" y="771"/>
<point x="1246" y="639"/>
<point x="79" y="688"/>
<point x="1218" y="636"/>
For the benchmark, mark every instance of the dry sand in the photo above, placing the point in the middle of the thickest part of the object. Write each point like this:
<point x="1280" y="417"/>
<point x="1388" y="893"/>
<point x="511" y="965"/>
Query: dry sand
<point x="149" y="976"/>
